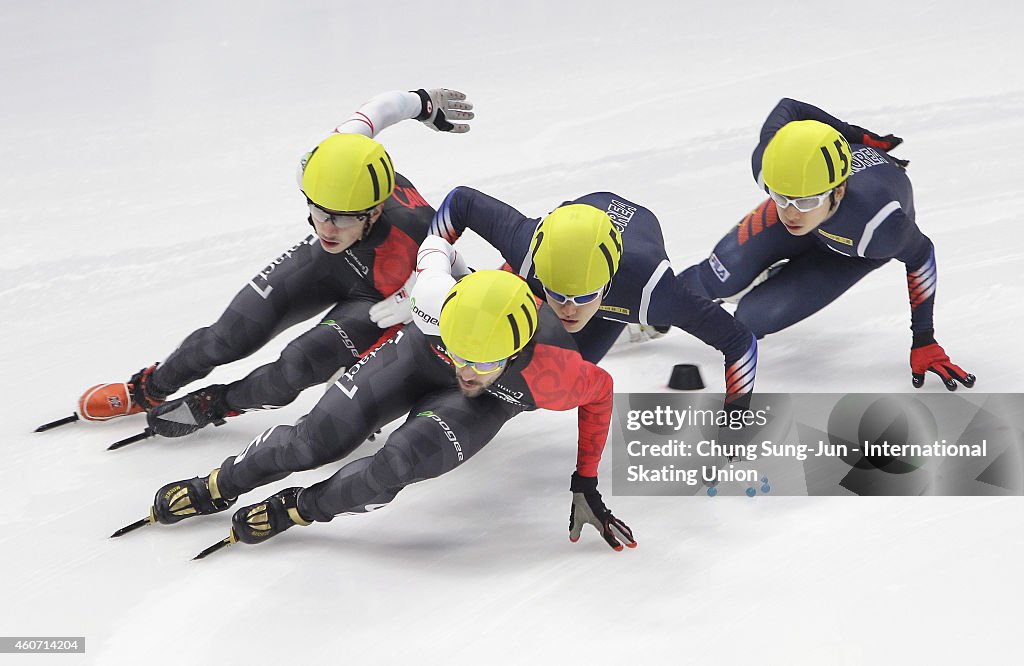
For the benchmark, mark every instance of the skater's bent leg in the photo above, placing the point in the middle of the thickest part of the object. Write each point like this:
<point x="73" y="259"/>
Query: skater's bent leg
<point x="802" y="287"/>
<point x="271" y="302"/>
<point x="311" y="359"/>
<point x="380" y="388"/>
<point x="750" y="248"/>
<point x="442" y="432"/>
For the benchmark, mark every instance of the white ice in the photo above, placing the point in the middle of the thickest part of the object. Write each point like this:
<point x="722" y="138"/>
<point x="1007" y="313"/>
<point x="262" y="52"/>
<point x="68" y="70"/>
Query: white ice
<point x="148" y="167"/>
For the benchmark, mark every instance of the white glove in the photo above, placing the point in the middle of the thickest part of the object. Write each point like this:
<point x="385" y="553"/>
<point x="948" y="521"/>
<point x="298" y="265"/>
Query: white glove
<point x="396" y="308"/>
<point x="440" y="106"/>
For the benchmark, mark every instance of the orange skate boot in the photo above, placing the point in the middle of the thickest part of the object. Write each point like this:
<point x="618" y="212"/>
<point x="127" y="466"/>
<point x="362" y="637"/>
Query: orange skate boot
<point x="108" y="401"/>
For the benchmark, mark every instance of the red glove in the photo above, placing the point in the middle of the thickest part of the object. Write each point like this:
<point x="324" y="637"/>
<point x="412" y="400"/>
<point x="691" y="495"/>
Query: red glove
<point x="933" y="358"/>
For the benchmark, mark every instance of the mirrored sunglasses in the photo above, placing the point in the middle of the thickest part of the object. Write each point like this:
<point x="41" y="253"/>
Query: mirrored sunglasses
<point x="481" y="368"/>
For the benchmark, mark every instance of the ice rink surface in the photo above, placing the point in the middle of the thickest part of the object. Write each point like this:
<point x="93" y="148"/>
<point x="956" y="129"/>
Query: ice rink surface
<point x="148" y="172"/>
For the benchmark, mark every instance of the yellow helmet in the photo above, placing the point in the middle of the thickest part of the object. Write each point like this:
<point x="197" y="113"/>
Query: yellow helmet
<point x="805" y="158"/>
<point x="576" y="250"/>
<point x="488" y="316"/>
<point x="347" y="173"/>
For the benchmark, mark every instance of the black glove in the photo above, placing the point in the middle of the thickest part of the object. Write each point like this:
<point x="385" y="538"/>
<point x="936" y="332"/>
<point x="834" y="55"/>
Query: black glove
<point x="258" y="522"/>
<point x="886" y="143"/>
<point x="587" y="507"/>
<point x="927" y="356"/>
<point x="440" y="106"/>
<point x="869" y="138"/>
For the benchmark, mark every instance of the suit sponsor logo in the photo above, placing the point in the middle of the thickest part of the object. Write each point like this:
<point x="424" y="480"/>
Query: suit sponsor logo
<point x="614" y="308"/>
<point x="719" y="268"/>
<point x="447" y="432"/>
<point x="349" y="345"/>
<point x="425" y="316"/>
<point x="354" y="370"/>
<point x="261" y="283"/>
<point x="506" y="394"/>
<point x="440" y="351"/>
<point x="838" y="239"/>
<point x="353" y="261"/>
<point x="254" y="443"/>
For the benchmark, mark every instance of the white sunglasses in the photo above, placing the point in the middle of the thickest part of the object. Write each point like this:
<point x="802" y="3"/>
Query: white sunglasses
<point x="802" y="204"/>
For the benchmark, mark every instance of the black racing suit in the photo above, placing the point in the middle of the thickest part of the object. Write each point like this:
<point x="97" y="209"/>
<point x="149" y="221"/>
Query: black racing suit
<point x="301" y="283"/>
<point x="410" y="374"/>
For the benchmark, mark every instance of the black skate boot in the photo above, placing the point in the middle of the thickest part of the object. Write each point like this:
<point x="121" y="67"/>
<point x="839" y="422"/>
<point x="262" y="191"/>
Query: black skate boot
<point x="184" y="416"/>
<point x="258" y="522"/>
<point x="183" y="499"/>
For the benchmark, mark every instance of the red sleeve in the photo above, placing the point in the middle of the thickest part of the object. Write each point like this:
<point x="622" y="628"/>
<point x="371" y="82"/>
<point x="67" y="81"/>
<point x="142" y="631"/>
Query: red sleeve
<point x="559" y="379"/>
<point x="394" y="260"/>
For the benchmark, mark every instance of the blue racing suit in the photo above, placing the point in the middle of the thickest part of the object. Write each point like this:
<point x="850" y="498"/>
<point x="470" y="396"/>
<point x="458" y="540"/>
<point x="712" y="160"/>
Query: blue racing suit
<point x="872" y="224"/>
<point x="644" y="290"/>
